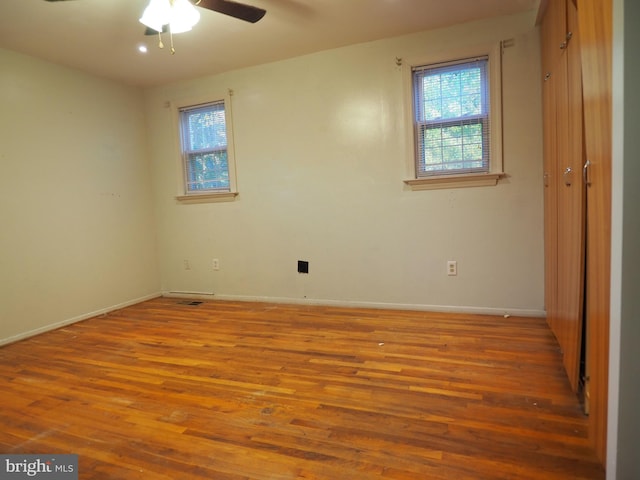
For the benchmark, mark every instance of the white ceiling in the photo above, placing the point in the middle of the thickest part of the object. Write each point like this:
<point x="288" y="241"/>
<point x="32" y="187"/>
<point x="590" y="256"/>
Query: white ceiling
<point x="101" y="36"/>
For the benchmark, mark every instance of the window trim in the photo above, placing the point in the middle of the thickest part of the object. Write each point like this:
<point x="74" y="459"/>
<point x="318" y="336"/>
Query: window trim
<point x="494" y="74"/>
<point x="220" y="195"/>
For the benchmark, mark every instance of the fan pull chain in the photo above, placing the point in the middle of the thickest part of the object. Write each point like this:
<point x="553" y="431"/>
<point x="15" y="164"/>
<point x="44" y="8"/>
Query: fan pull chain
<point x="173" y="50"/>
<point x="160" y="44"/>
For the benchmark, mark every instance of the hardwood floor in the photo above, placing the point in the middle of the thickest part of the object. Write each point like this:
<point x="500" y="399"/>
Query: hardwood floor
<point x="230" y="391"/>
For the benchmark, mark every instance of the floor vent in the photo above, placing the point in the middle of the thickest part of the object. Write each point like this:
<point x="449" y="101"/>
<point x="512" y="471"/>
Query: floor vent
<point x="189" y="302"/>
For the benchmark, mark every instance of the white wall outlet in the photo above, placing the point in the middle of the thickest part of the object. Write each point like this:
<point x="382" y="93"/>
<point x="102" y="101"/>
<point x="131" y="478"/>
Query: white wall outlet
<point x="215" y="264"/>
<point x="186" y="264"/>
<point x="452" y="268"/>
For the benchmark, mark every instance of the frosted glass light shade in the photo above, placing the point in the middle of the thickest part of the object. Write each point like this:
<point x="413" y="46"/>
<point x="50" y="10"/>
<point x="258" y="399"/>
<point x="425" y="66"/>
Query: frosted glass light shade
<point x="180" y="15"/>
<point x="157" y="14"/>
<point x="183" y="16"/>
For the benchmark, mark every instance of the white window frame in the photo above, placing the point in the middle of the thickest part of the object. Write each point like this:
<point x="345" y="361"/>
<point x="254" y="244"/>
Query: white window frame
<point x="211" y="195"/>
<point x="494" y="71"/>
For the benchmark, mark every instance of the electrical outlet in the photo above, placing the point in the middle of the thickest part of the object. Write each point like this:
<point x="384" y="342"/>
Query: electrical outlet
<point x="452" y="268"/>
<point x="215" y="264"/>
<point x="303" y="266"/>
<point x="186" y="264"/>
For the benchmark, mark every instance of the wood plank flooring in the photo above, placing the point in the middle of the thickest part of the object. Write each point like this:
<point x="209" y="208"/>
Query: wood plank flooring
<point x="230" y="391"/>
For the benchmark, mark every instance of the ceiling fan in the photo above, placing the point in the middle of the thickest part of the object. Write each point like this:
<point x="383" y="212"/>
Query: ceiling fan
<point x="177" y="16"/>
<point x="241" y="11"/>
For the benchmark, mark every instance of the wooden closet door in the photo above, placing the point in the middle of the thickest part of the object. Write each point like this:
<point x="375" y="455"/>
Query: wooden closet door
<point x="595" y="23"/>
<point x="571" y="201"/>
<point x="564" y="193"/>
<point x="550" y="56"/>
<point x="553" y="27"/>
<point x="550" y="202"/>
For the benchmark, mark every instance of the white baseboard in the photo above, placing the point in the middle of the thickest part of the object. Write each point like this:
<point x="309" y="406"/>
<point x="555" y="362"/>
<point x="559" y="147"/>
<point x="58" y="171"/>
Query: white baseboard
<point x="79" y="318"/>
<point x="514" y="312"/>
<point x="184" y="294"/>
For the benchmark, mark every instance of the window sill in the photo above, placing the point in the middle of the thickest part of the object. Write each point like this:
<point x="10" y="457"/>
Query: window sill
<point x="455" y="181"/>
<point x="208" y="197"/>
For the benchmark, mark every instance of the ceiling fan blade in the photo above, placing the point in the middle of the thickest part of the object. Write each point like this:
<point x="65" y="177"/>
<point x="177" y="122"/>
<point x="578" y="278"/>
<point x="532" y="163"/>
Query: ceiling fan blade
<point x="241" y="11"/>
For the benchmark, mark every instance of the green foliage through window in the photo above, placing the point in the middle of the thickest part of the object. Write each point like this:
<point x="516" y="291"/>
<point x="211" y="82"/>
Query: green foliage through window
<point x="208" y="171"/>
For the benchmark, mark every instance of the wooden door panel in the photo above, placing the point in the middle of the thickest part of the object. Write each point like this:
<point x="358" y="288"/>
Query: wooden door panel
<point x="571" y="208"/>
<point x="553" y="31"/>
<point x="564" y="193"/>
<point x="550" y="203"/>
<point x="595" y="24"/>
<point x="563" y="210"/>
<point x="570" y="214"/>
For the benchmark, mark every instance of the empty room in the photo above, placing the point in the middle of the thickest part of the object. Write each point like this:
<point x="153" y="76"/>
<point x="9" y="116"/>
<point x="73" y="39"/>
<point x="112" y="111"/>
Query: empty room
<point x="287" y="239"/>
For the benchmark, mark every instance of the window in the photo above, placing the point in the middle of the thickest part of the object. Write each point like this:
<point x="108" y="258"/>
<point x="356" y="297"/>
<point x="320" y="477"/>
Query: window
<point x="451" y="118"/>
<point x="456" y="123"/>
<point x="205" y="150"/>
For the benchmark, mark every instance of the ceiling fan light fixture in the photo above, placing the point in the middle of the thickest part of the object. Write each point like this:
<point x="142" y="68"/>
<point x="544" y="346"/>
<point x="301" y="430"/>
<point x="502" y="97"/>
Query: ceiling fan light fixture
<point x="180" y="15"/>
<point x="183" y="16"/>
<point x="157" y="14"/>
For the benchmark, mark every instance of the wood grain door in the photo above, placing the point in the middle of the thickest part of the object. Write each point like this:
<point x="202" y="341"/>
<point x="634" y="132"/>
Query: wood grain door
<point x="552" y="32"/>
<point x="571" y="200"/>
<point x="550" y="57"/>
<point x="595" y="23"/>
<point x="550" y="202"/>
<point x="564" y="189"/>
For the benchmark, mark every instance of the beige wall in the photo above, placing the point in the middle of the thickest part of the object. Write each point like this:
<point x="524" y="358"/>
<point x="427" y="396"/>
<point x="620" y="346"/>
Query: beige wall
<point x="77" y="230"/>
<point x="321" y="155"/>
